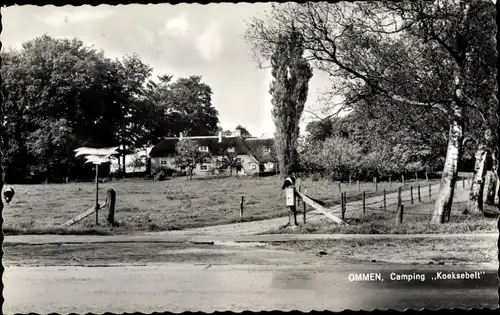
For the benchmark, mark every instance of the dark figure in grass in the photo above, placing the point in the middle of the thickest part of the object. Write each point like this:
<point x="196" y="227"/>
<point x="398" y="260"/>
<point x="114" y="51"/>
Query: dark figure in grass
<point x="8" y="194"/>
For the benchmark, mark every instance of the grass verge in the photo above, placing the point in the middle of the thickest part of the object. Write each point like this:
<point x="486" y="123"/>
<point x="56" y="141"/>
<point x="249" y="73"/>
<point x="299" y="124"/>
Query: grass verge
<point x="416" y="221"/>
<point x="148" y="206"/>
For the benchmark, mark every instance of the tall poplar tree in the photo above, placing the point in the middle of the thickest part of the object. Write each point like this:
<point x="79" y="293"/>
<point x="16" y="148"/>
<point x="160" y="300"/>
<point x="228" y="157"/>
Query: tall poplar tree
<point x="291" y="73"/>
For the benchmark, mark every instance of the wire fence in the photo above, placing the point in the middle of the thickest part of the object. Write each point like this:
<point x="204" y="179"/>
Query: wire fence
<point x="391" y="203"/>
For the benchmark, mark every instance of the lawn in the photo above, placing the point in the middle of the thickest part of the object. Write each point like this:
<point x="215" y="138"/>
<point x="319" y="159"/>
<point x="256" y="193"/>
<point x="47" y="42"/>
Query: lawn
<point x="174" y="204"/>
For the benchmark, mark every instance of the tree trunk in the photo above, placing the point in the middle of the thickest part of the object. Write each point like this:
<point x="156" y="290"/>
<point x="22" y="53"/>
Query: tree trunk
<point x="283" y="170"/>
<point x="292" y="216"/>
<point x="475" y="202"/>
<point x="124" y="166"/>
<point x="492" y="182"/>
<point x="444" y="201"/>
<point x="492" y="188"/>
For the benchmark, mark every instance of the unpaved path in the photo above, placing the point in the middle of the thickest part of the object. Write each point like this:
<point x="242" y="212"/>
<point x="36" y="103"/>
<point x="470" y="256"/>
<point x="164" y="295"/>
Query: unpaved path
<point x="354" y="208"/>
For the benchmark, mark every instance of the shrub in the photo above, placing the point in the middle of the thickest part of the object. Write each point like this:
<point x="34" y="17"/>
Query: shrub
<point x="162" y="173"/>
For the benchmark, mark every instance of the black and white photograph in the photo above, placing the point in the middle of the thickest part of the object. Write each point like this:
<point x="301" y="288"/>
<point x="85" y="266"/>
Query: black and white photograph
<point x="312" y="156"/>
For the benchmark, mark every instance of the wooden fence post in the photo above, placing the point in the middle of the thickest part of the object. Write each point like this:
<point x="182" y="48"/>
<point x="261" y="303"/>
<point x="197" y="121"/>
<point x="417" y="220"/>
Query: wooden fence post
<point x="297" y="196"/>
<point x="340" y="188"/>
<point x="350" y="180"/>
<point x="241" y="206"/>
<point x="305" y="209"/>
<point x="385" y="201"/>
<point x="463" y="182"/>
<point x="390" y="181"/>
<point x="418" y="192"/>
<point x="110" y="204"/>
<point x="411" y="194"/>
<point x="403" y="179"/>
<point x="359" y="188"/>
<point x="430" y="192"/>
<point x="399" y="216"/>
<point x="399" y="197"/>
<point x="344" y="204"/>
<point x="96" y="194"/>
<point x="364" y="202"/>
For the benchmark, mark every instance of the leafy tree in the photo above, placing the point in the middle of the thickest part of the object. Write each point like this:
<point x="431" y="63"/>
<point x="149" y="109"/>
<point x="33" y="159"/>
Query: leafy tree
<point x="340" y="157"/>
<point x="411" y="53"/>
<point x="52" y="146"/>
<point x="189" y="156"/>
<point x="193" y="100"/>
<point x="131" y="75"/>
<point x="310" y="155"/>
<point x="244" y="132"/>
<point x="291" y="73"/>
<point x="137" y="162"/>
<point x="320" y="130"/>
<point x="49" y="80"/>
<point x="181" y="106"/>
<point x="229" y="160"/>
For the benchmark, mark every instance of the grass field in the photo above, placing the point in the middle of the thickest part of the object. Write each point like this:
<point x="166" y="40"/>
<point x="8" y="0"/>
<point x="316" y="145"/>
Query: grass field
<point x="416" y="220"/>
<point x="167" y="205"/>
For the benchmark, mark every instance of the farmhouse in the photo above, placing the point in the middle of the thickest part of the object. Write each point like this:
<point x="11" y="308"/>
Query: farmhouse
<point x="255" y="154"/>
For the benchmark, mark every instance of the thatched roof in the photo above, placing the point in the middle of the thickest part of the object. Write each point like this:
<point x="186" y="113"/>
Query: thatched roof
<point x="242" y="146"/>
<point x="166" y="147"/>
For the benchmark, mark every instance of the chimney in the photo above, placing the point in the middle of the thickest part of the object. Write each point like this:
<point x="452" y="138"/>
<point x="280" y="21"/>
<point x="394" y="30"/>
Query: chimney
<point x="180" y="136"/>
<point x="237" y="132"/>
<point x="220" y="136"/>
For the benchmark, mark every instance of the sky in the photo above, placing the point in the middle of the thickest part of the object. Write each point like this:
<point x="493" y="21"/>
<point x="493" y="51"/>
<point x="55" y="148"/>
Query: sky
<point x="179" y="40"/>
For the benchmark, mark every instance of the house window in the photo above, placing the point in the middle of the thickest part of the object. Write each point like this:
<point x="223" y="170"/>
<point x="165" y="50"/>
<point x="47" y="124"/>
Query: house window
<point x="270" y="164"/>
<point x="230" y="149"/>
<point x="163" y="162"/>
<point x="203" y="167"/>
<point x="203" y="148"/>
<point x="267" y="150"/>
<point x="237" y="160"/>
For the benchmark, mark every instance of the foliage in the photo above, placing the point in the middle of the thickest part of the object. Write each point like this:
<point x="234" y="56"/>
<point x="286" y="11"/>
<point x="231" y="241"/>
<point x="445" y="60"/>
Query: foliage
<point x="53" y="139"/>
<point x="189" y="155"/>
<point x="59" y="94"/>
<point x="228" y="160"/>
<point x="184" y="105"/>
<point x="162" y="173"/>
<point x="137" y="162"/>
<point x="244" y="132"/>
<point x="291" y="73"/>
<point x="340" y="157"/>
<point x="417" y="54"/>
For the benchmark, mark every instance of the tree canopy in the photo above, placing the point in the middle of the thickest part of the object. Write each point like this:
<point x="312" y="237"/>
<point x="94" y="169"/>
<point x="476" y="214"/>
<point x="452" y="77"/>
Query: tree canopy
<point x="417" y="58"/>
<point x="59" y="94"/>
